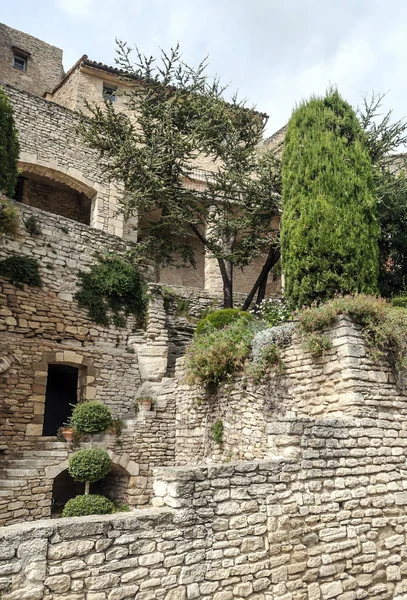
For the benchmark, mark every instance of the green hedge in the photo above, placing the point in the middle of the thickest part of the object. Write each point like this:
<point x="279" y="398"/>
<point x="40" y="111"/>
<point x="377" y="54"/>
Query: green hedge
<point x="91" y="417"/>
<point x="88" y="505"/>
<point x="21" y="269"/>
<point x="90" y="464"/>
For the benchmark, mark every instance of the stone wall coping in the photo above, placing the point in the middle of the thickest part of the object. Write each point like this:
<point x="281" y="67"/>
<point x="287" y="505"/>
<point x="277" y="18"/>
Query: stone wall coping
<point x="69" y="527"/>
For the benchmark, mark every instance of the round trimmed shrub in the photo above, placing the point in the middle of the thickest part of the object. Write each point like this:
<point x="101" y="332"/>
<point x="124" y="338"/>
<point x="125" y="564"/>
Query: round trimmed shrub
<point x="218" y="319"/>
<point x="90" y="504"/>
<point x="90" y="464"/>
<point x="91" y="417"/>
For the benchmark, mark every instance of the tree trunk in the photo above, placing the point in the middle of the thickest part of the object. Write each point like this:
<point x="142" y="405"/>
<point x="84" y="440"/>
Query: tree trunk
<point x="226" y="270"/>
<point x="87" y="487"/>
<point x="261" y="282"/>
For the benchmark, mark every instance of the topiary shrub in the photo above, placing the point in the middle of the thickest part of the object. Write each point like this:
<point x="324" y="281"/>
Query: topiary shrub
<point x="20" y="270"/>
<point x="90" y="504"/>
<point x="9" y="221"/>
<point x="91" y="417"/>
<point x="90" y="464"/>
<point x="112" y="290"/>
<point x="218" y="319"/>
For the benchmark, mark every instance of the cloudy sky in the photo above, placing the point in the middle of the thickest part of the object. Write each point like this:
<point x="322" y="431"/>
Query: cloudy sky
<point x="275" y="52"/>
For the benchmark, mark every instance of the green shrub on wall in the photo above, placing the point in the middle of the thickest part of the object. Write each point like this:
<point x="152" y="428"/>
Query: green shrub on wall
<point x="91" y="417"/>
<point x="90" y="464"/>
<point x="21" y="269"/>
<point x="112" y="290"/>
<point x="89" y="504"/>
<point x="218" y="319"/>
<point x="9" y="221"/>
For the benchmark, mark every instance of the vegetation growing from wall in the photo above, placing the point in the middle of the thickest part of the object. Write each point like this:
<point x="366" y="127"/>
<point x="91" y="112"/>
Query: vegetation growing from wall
<point x="329" y="229"/>
<point x="33" y="225"/>
<point x="218" y="319"/>
<point x="9" y="222"/>
<point x="9" y="147"/>
<point x="383" y="325"/>
<point x="112" y="290"/>
<point x="217" y="431"/>
<point x="21" y="269"/>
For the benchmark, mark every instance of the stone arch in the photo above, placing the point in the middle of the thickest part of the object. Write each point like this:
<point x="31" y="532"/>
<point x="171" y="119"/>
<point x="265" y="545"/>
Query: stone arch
<point x="58" y="190"/>
<point x="86" y="379"/>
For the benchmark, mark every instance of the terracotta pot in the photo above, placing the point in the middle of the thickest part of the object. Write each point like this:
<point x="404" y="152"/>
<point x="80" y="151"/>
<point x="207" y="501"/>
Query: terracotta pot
<point x="67" y="432"/>
<point x="146" y="405"/>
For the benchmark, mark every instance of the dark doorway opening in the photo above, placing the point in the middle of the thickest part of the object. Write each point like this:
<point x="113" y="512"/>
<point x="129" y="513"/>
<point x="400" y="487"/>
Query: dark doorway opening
<point x="64" y="489"/>
<point x="61" y="393"/>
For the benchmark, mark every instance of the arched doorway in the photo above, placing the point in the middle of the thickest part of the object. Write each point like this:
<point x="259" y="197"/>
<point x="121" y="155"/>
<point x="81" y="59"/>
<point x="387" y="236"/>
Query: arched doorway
<point x="64" y="488"/>
<point x="60" y="397"/>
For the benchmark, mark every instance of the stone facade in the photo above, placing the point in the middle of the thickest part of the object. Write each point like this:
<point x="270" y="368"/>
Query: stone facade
<point x="44" y="62"/>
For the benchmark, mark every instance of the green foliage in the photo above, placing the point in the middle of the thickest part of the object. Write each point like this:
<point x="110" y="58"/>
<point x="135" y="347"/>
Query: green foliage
<point x="112" y="290"/>
<point x="9" y="147"/>
<point x="384" y="326"/>
<point x="399" y="301"/>
<point x="180" y="115"/>
<point x="317" y="344"/>
<point x="89" y="504"/>
<point x="90" y="464"/>
<point x="9" y="221"/>
<point x="91" y="417"/>
<point x="33" y="225"/>
<point x="329" y="227"/>
<point x="273" y="312"/>
<point x="268" y="361"/>
<point x="217" y="431"/>
<point x="21" y="269"/>
<point x="218" y="319"/>
<point x="216" y="355"/>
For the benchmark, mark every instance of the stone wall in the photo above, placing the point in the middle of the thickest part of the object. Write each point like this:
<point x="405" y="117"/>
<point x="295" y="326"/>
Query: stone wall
<point x="329" y="526"/>
<point x="44" y="64"/>
<point x="344" y="382"/>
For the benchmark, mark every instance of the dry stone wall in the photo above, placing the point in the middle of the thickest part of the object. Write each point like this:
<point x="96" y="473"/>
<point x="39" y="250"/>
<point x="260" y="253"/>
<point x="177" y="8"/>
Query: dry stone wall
<point x="271" y="530"/>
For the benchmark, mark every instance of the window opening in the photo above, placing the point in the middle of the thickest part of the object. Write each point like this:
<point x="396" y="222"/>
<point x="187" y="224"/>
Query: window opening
<point x="20" y="62"/>
<point x="109" y="92"/>
<point x="60" y="397"/>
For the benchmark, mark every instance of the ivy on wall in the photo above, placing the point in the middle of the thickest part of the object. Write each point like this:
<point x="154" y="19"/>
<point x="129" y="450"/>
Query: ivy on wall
<point x="21" y="269"/>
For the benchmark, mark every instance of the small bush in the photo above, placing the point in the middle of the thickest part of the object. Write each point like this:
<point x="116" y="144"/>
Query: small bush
<point x="9" y="221"/>
<point x="217" y="354"/>
<point x="317" y="344"/>
<point x="217" y="431"/>
<point x="112" y="290"/>
<point x="280" y="335"/>
<point x="272" y="311"/>
<point x="90" y="464"/>
<point x="33" y="226"/>
<point x="218" y="319"/>
<point x="90" y="504"/>
<point x="399" y="301"/>
<point x="91" y="417"/>
<point x="268" y="360"/>
<point x="20" y="270"/>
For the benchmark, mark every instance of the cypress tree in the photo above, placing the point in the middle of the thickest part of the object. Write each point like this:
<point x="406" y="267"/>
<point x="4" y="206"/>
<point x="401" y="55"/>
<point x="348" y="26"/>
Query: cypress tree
<point x="9" y="147"/>
<point x="329" y="236"/>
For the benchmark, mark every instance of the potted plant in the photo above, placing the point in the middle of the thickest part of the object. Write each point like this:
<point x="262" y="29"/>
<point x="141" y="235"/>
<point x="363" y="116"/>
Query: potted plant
<point x="66" y="433"/>
<point x="145" y="403"/>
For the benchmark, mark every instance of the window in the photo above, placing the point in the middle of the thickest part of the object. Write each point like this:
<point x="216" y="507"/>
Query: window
<point x="109" y="92"/>
<point x="20" y="62"/>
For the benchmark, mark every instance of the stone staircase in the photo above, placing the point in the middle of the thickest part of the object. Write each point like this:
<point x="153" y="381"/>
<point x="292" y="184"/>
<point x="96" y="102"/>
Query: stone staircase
<point x="18" y="467"/>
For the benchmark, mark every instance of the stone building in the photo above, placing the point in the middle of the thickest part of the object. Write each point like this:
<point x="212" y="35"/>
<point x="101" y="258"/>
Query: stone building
<point x="60" y="175"/>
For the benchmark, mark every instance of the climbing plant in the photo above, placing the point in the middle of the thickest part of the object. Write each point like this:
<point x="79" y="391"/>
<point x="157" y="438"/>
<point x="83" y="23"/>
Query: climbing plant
<point x="9" y="147"/>
<point x="21" y="269"/>
<point x="112" y="290"/>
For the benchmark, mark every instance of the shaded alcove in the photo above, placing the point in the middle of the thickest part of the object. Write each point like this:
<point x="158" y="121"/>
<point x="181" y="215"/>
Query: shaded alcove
<point x="60" y="396"/>
<point x="114" y="486"/>
<point x="64" y="488"/>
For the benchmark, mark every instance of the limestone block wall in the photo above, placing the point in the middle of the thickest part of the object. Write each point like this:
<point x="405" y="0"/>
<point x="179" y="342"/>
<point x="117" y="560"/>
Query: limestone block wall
<point x="50" y="146"/>
<point x="44" y="64"/>
<point x="57" y="199"/>
<point x="270" y="530"/>
<point x="343" y="382"/>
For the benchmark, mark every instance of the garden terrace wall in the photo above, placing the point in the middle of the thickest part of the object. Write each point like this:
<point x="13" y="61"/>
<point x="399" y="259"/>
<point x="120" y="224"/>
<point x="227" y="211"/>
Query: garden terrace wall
<point x="345" y="381"/>
<point x="270" y="530"/>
